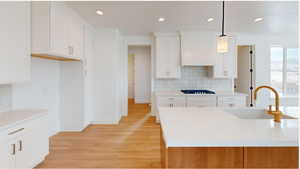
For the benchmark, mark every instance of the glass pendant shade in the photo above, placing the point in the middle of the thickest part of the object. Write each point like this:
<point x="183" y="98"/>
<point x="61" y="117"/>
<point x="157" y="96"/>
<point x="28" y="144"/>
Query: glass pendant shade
<point x="222" y="45"/>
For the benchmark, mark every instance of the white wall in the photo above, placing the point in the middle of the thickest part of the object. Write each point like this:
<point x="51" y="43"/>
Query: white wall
<point x="262" y="44"/>
<point x="71" y="96"/>
<point x="89" y="72"/>
<point x="107" y="90"/>
<point x="142" y="74"/>
<point x="130" y="76"/>
<point x="43" y="91"/>
<point x="5" y="97"/>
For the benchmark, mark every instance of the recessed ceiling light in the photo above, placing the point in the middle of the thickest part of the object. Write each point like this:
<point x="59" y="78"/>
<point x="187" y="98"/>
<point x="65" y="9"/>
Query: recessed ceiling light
<point x="258" y="19"/>
<point x="210" y="19"/>
<point x="161" y="19"/>
<point x="99" y="12"/>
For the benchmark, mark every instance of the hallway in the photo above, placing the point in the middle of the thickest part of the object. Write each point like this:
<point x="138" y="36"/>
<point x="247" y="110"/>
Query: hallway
<point x="134" y="143"/>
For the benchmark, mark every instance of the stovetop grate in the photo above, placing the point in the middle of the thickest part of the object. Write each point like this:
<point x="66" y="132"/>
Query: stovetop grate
<point x="197" y="92"/>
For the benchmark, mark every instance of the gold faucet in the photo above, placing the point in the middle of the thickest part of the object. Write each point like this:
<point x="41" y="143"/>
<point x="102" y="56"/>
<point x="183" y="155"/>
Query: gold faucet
<point x="277" y="113"/>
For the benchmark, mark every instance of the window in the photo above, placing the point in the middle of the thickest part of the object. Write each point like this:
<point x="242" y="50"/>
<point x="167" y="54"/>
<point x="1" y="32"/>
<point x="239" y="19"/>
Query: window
<point x="284" y="70"/>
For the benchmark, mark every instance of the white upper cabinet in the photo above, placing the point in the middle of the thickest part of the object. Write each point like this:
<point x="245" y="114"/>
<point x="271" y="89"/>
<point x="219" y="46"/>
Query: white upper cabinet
<point x="76" y="35"/>
<point x="56" y="30"/>
<point x="197" y="48"/>
<point x="167" y="51"/>
<point x="226" y="63"/>
<point x="14" y="42"/>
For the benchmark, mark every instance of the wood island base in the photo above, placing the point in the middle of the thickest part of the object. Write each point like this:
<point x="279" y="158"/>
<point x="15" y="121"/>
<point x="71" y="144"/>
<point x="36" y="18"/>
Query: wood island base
<point x="228" y="157"/>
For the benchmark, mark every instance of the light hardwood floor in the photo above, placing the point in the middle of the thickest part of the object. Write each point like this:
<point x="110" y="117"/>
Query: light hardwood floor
<point x="134" y="143"/>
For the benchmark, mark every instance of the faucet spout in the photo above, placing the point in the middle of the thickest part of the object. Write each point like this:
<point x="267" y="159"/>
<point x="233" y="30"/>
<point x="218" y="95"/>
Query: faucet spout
<point x="273" y="90"/>
<point x="277" y="112"/>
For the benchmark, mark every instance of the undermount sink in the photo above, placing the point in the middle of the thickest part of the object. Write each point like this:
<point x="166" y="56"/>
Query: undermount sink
<point x="253" y="113"/>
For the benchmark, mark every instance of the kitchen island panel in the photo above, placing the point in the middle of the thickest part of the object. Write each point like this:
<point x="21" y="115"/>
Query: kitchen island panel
<point x="271" y="157"/>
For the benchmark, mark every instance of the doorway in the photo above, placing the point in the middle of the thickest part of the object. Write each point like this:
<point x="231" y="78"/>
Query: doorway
<point x="245" y="81"/>
<point x="139" y="74"/>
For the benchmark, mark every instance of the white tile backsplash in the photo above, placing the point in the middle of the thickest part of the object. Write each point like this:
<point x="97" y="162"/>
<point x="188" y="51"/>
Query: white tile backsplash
<point x="193" y="77"/>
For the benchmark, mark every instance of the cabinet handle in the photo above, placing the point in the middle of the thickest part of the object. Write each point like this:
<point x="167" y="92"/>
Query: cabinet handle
<point x="71" y="50"/>
<point x="16" y="131"/>
<point x="225" y="73"/>
<point x="20" y="145"/>
<point x="13" y="149"/>
<point x="168" y="73"/>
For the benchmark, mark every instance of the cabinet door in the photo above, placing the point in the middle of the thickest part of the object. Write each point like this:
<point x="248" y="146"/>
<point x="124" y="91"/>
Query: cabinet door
<point x="14" y="42"/>
<point x="76" y="31"/>
<point x="32" y="146"/>
<point x="7" y="154"/>
<point x="59" y="29"/>
<point x="171" y="101"/>
<point x="24" y="153"/>
<point x="201" y="101"/>
<point x="197" y="49"/>
<point x="167" y="57"/>
<point x="226" y="63"/>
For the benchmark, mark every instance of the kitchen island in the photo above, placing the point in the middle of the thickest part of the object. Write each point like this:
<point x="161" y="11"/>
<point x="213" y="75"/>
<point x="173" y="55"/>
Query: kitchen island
<point x="220" y="138"/>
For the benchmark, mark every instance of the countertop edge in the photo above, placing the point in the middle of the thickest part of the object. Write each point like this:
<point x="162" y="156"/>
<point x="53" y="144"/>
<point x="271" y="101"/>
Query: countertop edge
<point x="37" y="114"/>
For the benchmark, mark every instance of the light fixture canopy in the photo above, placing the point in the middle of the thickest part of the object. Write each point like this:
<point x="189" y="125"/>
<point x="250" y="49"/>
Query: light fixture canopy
<point x="222" y="45"/>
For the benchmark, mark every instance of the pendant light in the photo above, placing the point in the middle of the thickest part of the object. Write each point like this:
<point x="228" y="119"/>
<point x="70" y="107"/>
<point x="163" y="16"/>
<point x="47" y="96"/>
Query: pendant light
<point x="222" y="46"/>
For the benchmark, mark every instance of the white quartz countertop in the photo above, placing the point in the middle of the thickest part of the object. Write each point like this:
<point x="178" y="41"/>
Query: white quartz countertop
<point x="13" y="117"/>
<point x="214" y="127"/>
<point x="179" y="93"/>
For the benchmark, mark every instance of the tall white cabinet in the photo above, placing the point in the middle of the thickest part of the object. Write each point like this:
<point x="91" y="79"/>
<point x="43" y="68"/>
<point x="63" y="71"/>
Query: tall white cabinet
<point x="57" y="30"/>
<point x="167" y="51"/>
<point x="14" y="42"/>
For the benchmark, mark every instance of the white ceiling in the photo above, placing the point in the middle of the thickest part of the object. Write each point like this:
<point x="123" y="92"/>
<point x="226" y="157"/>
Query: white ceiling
<point x="140" y="17"/>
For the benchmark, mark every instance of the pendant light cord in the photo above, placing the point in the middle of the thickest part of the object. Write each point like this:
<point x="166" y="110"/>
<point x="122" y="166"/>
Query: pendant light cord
<point x="223" y="18"/>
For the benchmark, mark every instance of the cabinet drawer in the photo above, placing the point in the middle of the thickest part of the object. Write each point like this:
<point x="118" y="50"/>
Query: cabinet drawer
<point x="231" y="101"/>
<point x="171" y="101"/>
<point x="201" y="101"/>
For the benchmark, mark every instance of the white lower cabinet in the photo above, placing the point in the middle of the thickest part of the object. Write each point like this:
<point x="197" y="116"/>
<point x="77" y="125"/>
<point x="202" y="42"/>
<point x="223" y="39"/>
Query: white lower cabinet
<point x="24" y="145"/>
<point x="201" y="101"/>
<point x="197" y="101"/>
<point x="171" y="101"/>
<point x="231" y="101"/>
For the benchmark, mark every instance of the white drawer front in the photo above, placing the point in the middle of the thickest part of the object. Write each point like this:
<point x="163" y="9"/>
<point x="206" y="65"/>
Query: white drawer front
<point x="171" y="101"/>
<point x="231" y="101"/>
<point x="201" y="101"/>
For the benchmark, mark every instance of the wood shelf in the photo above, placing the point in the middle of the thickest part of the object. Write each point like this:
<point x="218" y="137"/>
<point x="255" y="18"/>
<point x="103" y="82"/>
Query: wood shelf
<point x="49" y="57"/>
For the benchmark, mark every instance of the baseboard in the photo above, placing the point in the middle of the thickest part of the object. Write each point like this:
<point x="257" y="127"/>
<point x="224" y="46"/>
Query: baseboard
<point x="104" y="122"/>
